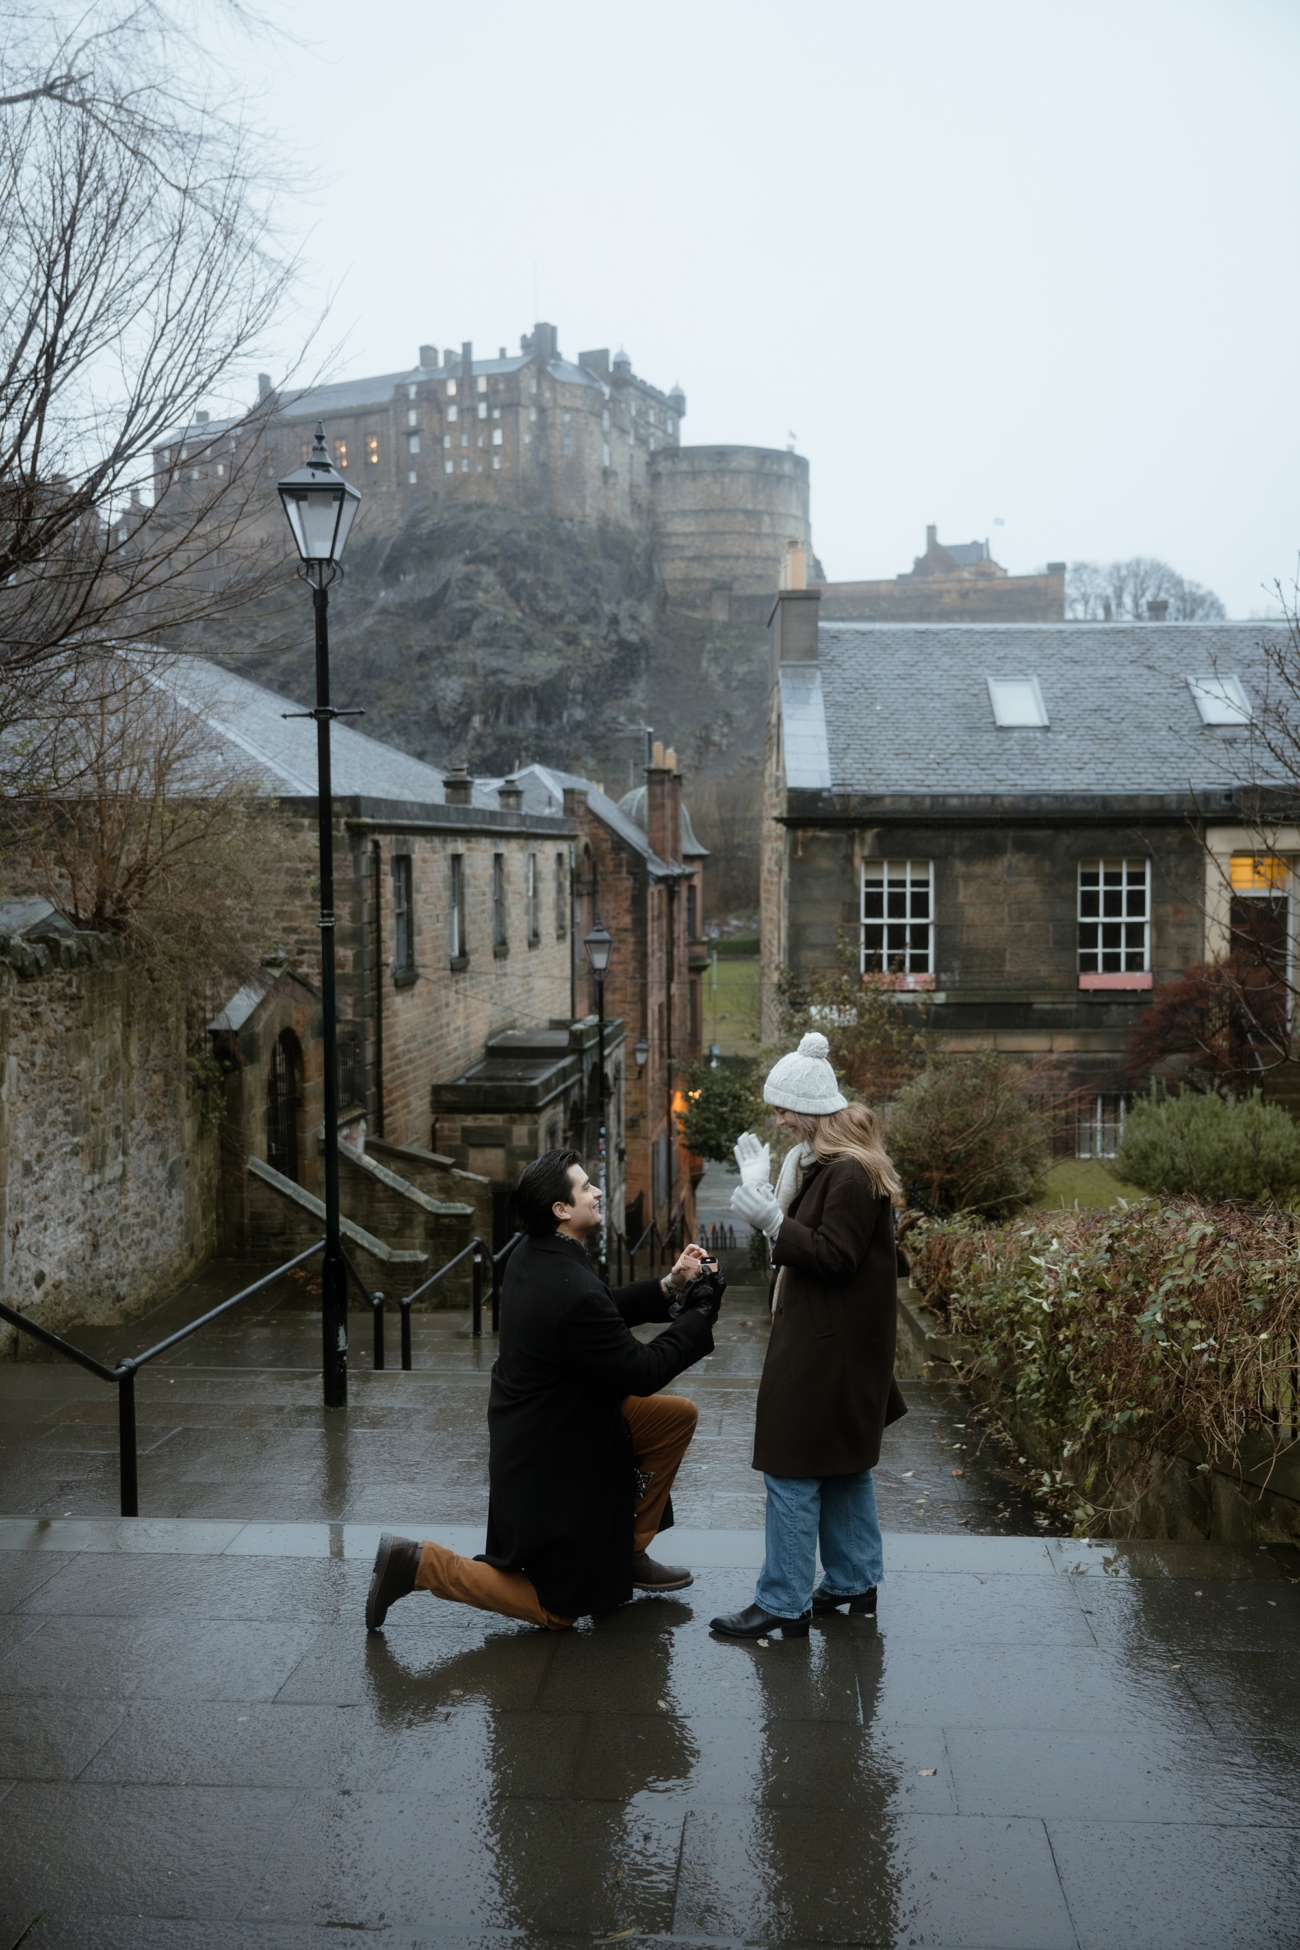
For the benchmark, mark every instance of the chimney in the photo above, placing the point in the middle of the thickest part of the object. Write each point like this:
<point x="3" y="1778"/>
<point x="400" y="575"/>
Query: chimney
<point x="546" y="343"/>
<point x="794" y="566"/>
<point x="511" y="795"/>
<point x="575" y="801"/>
<point x="1056" y="591"/>
<point x="467" y="364"/>
<point x="931" y="537"/>
<point x="792" y="628"/>
<point x="1158" y="609"/>
<point x="597" y="362"/>
<point x="201" y="418"/>
<point x="264" y="385"/>
<point x="428" y="356"/>
<point x="662" y="800"/>
<point x="458" y="786"/>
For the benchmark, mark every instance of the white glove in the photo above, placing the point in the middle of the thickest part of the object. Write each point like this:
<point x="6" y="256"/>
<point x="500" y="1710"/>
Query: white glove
<point x="754" y="1159"/>
<point x="757" y="1204"/>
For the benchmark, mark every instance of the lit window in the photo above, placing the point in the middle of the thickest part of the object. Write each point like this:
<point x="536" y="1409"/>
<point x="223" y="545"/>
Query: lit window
<point x="451" y="391"/>
<point x="340" y="453"/>
<point x="449" y="466"/>
<point x="897" y="917"/>
<point x="1258" y="873"/>
<point x="458" y="942"/>
<point x="412" y="443"/>
<point x="482" y="384"/>
<point x="403" y="920"/>
<point x="1114" y="917"/>
<point x="498" y="900"/>
<point x="453" y="413"/>
<point x="482" y="409"/>
<point x="372" y="449"/>
<point x="496" y="436"/>
<point x="1220" y="700"/>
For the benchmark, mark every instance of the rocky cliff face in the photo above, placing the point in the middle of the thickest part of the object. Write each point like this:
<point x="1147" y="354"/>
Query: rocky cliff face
<point x="496" y="636"/>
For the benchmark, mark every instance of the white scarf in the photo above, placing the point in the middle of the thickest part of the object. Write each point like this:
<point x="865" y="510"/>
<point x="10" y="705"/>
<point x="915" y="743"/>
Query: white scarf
<point x="793" y="1166"/>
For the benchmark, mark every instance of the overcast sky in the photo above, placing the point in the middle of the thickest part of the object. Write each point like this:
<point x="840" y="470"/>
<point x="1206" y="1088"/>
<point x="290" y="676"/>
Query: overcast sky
<point x="1024" y="268"/>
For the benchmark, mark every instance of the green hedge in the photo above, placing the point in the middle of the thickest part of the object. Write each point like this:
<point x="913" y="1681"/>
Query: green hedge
<point x="1168" y="1327"/>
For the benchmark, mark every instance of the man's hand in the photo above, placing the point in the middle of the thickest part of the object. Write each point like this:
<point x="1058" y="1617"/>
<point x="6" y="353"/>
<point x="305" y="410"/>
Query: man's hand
<point x="688" y="1266"/>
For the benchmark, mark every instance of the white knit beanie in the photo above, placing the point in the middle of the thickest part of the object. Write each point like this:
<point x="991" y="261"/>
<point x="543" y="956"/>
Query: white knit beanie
<point x="805" y="1081"/>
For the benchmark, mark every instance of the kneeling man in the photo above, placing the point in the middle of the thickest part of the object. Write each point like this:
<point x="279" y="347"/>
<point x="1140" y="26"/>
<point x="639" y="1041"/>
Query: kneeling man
<point x="582" y="1448"/>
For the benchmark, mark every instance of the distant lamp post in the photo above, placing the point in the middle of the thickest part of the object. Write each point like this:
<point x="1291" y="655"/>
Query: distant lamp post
<point x="320" y="507"/>
<point x="599" y="945"/>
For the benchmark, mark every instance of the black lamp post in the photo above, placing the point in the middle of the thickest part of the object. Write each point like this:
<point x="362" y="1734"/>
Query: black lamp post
<point x="599" y="945"/>
<point x="320" y="506"/>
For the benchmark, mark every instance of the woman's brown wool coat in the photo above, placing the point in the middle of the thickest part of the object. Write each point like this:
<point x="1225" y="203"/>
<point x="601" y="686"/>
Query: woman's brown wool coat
<point x="828" y="1387"/>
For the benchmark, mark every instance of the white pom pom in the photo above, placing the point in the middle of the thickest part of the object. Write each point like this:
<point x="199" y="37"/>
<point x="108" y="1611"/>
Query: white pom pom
<point x="815" y="1045"/>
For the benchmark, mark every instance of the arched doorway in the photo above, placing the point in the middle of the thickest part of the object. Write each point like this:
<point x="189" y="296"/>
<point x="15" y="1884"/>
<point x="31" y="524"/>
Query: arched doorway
<point x="283" y="1103"/>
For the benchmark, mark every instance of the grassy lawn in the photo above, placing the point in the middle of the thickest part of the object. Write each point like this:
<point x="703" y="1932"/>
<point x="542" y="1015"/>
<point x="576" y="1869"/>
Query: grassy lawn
<point x="1085" y="1182"/>
<point x="731" y="1011"/>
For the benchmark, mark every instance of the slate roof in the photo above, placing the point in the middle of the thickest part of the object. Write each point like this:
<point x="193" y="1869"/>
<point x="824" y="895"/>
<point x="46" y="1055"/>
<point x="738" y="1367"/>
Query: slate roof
<point x="543" y="789"/>
<point x="904" y="709"/>
<point x="280" y="754"/>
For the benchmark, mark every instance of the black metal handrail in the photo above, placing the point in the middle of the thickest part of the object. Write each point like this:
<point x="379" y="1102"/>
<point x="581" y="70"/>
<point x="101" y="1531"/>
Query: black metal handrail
<point x="125" y="1372"/>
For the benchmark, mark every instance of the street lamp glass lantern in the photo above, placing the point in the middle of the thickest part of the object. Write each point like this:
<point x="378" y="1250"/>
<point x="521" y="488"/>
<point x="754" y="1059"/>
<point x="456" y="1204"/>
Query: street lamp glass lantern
<point x="599" y="945"/>
<point x="641" y="1051"/>
<point x="320" y="505"/>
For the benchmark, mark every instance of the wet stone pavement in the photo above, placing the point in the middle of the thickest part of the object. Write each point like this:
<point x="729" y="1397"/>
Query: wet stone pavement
<point x="1039" y="1743"/>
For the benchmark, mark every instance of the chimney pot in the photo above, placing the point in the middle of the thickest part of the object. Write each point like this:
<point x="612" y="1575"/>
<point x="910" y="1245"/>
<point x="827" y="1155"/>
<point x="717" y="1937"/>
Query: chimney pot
<point x="458" y="786"/>
<point x="657" y="754"/>
<point x="670" y="760"/>
<point x="511" y="795"/>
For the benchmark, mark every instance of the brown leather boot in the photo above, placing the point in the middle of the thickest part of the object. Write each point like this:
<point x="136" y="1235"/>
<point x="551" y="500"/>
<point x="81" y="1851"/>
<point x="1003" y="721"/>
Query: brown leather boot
<point x="648" y="1574"/>
<point x="396" y="1562"/>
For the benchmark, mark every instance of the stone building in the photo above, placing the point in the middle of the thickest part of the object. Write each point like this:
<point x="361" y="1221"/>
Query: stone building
<point x="1034" y="826"/>
<point x="638" y="867"/>
<point x="454" y="932"/>
<point x="956" y="582"/>
<point x="583" y="439"/>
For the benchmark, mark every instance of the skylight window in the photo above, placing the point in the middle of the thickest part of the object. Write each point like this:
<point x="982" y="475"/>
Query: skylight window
<point x="1220" y="700"/>
<point x="1017" y="701"/>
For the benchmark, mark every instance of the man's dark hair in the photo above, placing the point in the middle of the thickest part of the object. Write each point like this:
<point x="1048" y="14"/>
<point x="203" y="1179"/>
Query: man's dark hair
<point x="539" y="1186"/>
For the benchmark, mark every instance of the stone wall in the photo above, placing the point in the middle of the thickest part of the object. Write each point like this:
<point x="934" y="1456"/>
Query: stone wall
<point x="723" y="519"/>
<point x="108" y="1157"/>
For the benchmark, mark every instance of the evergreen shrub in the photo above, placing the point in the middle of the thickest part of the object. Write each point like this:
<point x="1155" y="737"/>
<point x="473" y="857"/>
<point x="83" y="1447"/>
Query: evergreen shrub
<point x="1211" y="1146"/>
<point x="967" y="1136"/>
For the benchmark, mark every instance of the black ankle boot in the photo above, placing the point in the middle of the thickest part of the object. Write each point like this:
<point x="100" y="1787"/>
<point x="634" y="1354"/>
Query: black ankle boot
<point x="862" y="1603"/>
<point x="755" y="1623"/>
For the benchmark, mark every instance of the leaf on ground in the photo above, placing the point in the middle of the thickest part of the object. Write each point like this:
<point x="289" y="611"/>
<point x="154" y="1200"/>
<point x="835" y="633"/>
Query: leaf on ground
<point x="923" y="1771"/>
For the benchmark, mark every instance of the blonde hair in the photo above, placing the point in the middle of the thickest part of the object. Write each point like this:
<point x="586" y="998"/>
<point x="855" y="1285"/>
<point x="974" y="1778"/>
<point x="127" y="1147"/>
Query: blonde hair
<point x="854" y="1132"/>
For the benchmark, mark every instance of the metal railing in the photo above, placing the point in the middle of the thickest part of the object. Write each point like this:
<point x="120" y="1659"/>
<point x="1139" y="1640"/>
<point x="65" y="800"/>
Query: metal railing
<point x="124" y="1374"/>
<point x="661" y="1248"/>
<point x="717" y="1238"/>
<point x="483" y="1257"/>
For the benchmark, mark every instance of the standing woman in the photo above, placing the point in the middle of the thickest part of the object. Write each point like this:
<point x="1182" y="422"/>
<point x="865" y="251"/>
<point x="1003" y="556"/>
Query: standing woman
<point x="828" y="1387"/>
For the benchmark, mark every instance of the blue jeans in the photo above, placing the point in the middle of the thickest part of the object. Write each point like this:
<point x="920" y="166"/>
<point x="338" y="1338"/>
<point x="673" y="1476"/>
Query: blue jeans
<point x="837" y="1511"/>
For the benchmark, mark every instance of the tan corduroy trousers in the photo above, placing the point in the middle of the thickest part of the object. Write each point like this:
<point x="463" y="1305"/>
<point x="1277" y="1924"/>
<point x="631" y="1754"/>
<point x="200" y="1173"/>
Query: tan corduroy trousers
<point x="662" y="1427"/>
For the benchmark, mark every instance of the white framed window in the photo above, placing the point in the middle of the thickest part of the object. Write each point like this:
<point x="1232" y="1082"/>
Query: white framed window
<point x="1114" y="918"/>
<point x="453" y="413"/>
<point x="1100" y="1126"/>
<point x="605" y="454"/>
<point x="403" y="918"/>
<point x="898" y="920"/>
<point x="412" y="443"/>
<point x="410" y="392"/>
<point x="411" y="477"/>
<point x="449" y="466"/>
<point x="464" y="464"/>
<point x="446" y="440"/>
<point x="567" y="443"/>
<point x="482" y="409"/>
<point x="412" y="416"/>
<point x="451" y="394"/>
<point x="482" y="384"/>
<point x="1017" y="701"/>
<point x="1220" y="700"/>
<point x="497" y="436"/>
<point x="496" y="462"/>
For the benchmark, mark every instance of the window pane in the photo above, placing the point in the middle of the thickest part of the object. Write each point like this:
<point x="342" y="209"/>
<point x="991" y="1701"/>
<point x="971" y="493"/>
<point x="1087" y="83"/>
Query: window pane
<point x="896" y="917"/>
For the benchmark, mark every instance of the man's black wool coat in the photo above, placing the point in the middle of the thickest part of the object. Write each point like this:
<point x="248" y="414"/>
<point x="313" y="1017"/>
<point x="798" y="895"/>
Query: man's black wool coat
<point x="561" y="1469"/>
